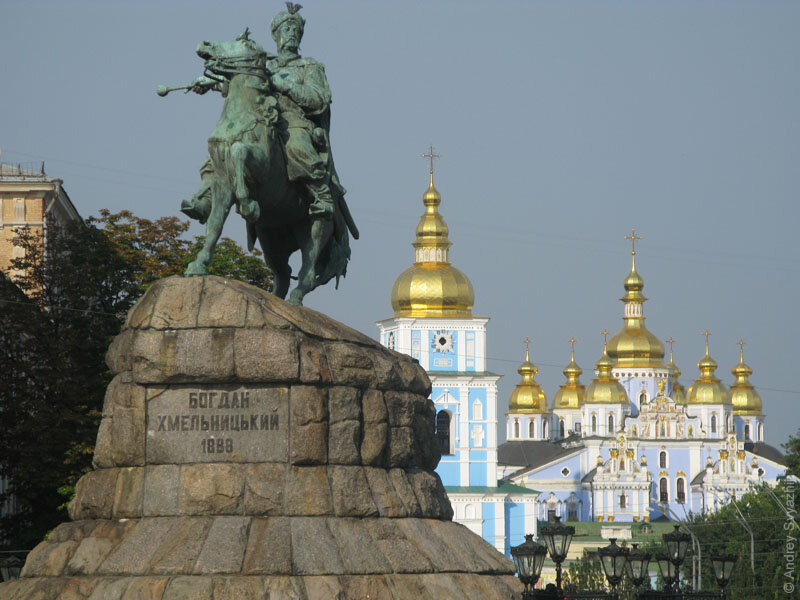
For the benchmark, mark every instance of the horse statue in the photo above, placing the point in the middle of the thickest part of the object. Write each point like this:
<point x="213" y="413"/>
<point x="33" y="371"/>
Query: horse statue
<point x="247" y="168"/>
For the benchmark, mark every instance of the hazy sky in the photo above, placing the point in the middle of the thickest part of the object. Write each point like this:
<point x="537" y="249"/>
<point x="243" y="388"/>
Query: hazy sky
<point x="561" y="125"/>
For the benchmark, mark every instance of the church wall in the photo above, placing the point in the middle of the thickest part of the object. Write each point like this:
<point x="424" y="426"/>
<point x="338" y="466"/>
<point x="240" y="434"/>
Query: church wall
<point x="488" y="515"/>
<point x="477" y="468"/>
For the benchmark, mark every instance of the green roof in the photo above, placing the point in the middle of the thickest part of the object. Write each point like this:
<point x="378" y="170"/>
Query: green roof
<point x="464" y="373"/>
<point x="503" y="487"/>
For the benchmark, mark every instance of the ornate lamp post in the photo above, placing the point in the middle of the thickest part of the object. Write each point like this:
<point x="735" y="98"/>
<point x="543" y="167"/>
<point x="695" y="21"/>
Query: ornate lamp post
<point x="613" y="559"/>
<point x="668" y="570"/>
<point x="558" y="537"/>
<point x="677" y="544"/>
<point x="636" y="565"/>
<point x="529" y="558"/>
<point x="723" y="567"/>
<point x="10" y="567"/>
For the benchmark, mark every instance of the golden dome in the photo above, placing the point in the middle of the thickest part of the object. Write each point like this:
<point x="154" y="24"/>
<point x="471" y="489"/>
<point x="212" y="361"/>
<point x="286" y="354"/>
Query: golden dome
<point x="571" y="394"/>
<point x="605" y="389"/>
<point x="432" y="287"/>
<point x="634" y="345"/>
<point x="528" y="397"/>
<point x="707" y="389"/>
<point x="744" y="397"/>
<point x="678" y="391"/>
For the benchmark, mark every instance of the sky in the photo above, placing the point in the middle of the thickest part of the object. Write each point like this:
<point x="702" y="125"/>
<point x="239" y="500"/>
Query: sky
<point x="561" y="126"/>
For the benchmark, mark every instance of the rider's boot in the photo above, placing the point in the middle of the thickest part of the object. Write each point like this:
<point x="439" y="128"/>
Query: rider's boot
<point x="321" y="198"/>
<point x="249" y="209"/>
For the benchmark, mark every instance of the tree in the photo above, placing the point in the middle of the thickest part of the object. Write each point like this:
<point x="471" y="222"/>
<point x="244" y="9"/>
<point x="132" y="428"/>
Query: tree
<point x="792" y="456"/>
<point x="585" y="574"/>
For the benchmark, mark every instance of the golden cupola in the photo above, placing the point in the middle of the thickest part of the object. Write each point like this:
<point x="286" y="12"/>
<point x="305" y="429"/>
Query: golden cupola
<point x="678" y="391"/>
<point x="571" y="394"/>
<point x="744" y="397"/>
<point x="528" y="397"/>
<point x="605" y="389"/>
<point x="707" y="389"/>
<point x="432" y="287"/>
<point x="634" y="345"/>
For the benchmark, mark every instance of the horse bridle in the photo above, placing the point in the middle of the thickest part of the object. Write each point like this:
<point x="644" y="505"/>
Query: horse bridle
<point x="228" y="67"/>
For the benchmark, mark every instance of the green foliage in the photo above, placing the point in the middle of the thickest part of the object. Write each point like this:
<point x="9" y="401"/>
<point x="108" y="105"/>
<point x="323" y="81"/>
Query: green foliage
<point x="792" y="456"/>
<point x="230" y="260"/>
<point x="584" y="574"/>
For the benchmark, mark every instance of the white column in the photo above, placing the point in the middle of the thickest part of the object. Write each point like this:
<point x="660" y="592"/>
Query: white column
<point x="500" y="526"/>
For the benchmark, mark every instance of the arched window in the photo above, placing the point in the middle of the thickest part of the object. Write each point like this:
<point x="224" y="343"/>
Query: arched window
<point x="594" y="423"/>
<point x="561" y="429"/>
<point x="713" y="423"/>
<point x="443" y="421"/>
<point x="681" y="491"/>
<point x="622" y="501"/>
<point x="531" y="429"/>
<point x="643" y="397"/>
<point x="760" y="429"/>
<point x="469" y="511"/>
<point x="572" y="511"/>
<point x="635" y="431"/>
<point x="516" y="429"/>
<point x="662" y="460"/>
<point x="663" y="490"/>
<point x="621" y="464"/>
<point x="611" y="424"/>
<point x="747" y="432"/>
<point x="545" y="433"/>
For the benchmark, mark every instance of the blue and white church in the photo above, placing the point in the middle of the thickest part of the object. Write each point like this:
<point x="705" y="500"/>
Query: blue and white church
<point x="433" y="322"/>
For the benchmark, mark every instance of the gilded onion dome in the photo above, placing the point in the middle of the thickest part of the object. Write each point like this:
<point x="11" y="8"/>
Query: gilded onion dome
<point x="605" y="389"/>
<point x="571" y="394"/>
<point x="528" y="397"/>
<point x="634" y="345"/>
<point x="432" y="287"/>
<point x="707" y="389"/>
<point x="678" y="391"/>
<point x="744" y="397"/>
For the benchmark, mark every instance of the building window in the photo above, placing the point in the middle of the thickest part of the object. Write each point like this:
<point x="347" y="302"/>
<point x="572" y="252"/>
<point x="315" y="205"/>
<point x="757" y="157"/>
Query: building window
<point x="610" y="424"/>
<point x="663" y="490"/>
<point x="643" y="398"/>
<point x="622" y="501"/>
<point x="621" y="464"/>
<point x="19" y="210"/>
<point x="760" y="429"/>
<point x="747" y="432"/>
<point x="531" y="429"/>
<point x="594" y="423"/>
<point x="477" y="410"/>
<point x="561" y="429"/>
<point x="635" y="431"/>
<point x="443" y="423"/>
<point x="545" y="433"/>
<point x="572" y="512"/>
<point x="713" y="423"/>
<point x="681" y="491"/>
<point x="577" y="427"/>
<point x="516" y="429"/>
<point x="662" y="460"/>
<point x="565" y="472"/>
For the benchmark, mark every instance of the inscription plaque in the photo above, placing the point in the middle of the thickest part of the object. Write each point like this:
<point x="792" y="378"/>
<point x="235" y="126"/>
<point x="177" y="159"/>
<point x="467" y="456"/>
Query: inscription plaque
<point x="190" y="424"/>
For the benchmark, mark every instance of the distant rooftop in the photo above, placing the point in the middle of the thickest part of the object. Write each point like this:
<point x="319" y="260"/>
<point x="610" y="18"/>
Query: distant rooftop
<point x="24" y="172"/>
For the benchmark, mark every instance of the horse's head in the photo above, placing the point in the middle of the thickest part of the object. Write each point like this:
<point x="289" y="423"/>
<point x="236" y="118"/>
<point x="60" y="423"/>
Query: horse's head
<point x="228" y="58"/>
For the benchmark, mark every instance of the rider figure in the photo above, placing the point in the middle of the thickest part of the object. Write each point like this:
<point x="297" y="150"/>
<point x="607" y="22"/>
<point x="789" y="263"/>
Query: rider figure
<point x="304" y="103"/>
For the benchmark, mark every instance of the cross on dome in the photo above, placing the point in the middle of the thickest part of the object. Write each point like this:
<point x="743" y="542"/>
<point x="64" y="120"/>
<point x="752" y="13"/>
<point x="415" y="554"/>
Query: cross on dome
<point x="430" y="155"/>
<point x="633" y="238"/>
<point x="706" y="333"/>
<point x="741" y="343"/>
<point x="604" y="333"/>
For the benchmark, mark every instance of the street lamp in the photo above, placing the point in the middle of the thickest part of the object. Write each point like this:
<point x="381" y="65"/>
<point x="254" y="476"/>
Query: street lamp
<point x="636" y="566"/>
<point x="558" y="537"/>
<point x="668" y="570"/>
<point x="612" y="557"/>
<point x="677" y="544"/>
<point x="723" y="567"/>
<point x="529" y="557"/>
<point x="10" y="567"/>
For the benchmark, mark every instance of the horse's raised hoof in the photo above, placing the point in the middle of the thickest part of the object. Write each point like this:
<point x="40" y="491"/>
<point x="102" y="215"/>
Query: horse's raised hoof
<point x="195" y="268"/>
<point x="191" y="210"/>
<point x="250" y="210"/>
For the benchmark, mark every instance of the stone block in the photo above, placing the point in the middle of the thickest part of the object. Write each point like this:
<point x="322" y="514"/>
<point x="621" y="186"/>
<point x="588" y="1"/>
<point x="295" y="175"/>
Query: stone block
<point x="72" y="530"/>
<point x="145" y="588"/>
<point x="221" y="305"/>
<point x="178" y="553"/>
<point x="359" y="552"/>
<point x="415" y="379"/>
<point x="266" y="355"/>
<point x="427" y="450"/>
<point x="307" y="491"/>
<point x="403" y="556"/>
<point x="94" y="495"/>
<point x="374" y="444"/>
<point x="386" y="499"/>
<point x="223" y="551"/>
<point x="240" y="588"/>
<point x="401" y="407"/>
<point x="162" y="485"/>
<point x="374" y="588"/>
<point x="212" y="489"/>
<point x="102" y="458"/>
<point x="111" y="588"/>
<point x="430" y="493"/>
<point x="183" y="356"/>
<point x="177" y="303"/>
<point x="128" y="495"/>
<point x="77" y="589"/>
<point x="309" y="444"/>
<point x="316" y="550"/>
<point x="309" y="404"/>
<point x="314" y="366"/>
<point x="401" y="446"/>
<point x="442" y="586"/>
<point x="405" y="492"/>
<point x="57" y="557"/>
<point x="134" y="552"/>
<point x="388" y="373"/>
<point x="264" y="483"/>
<point x="89" y="555"/>
<point x="323" y="587"/>
<point x="127" y="435"/>
<point x="344" y="404"/>
<point x="351" y="365"/>
<point x="120" y="352"/>
<point x="269" y="547"/>
<point x="189" y="588"/>
<point x="344" y="443"/>
<point x="352" y="496"/>
<point x="374" y="406"/>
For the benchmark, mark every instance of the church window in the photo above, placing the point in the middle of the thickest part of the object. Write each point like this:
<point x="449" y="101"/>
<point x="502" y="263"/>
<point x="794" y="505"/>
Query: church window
<point x="469" y="511"/>
<point x="747" y="432"/>
<point x="426" y="255"/>
<point x="439" y="254"/>
<point x="643" y="397"/>
<point x="531" y="429"/>
<point x="713" y="423"/>
<point x="516" y="429"/>
<point x="544" y="429"/>
<point x="572" y="511"/>
<point x="760" y="472"/>
<point x="662" y="430"/>
<point x="760" y="429"/>
<point x="681" y="491"/>
<point x="621" y="464"/>
<point x="477" y="410"/>
<point x="622" y="501"/>
<point x="594" y="423"/>
<point x="444" y="423"/>
<point x="730" y="423"/>
<point x="577" y="427"/>
<point x="561" y="429"/>
<point x="610" y="424"/>
<point x="663" y="490"/>
<point x="390" y="340"/>
<point x="565" y="472"/>
<point x="662" y="460"/>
